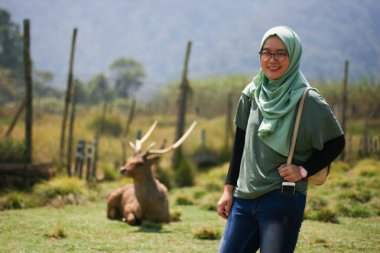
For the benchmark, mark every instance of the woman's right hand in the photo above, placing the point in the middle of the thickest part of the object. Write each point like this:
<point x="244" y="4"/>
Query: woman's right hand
<point x="225" y="202"/>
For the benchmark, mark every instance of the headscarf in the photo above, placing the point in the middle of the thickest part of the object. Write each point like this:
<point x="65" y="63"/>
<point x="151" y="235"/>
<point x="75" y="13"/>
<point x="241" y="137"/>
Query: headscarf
<point x="277" y="99"/>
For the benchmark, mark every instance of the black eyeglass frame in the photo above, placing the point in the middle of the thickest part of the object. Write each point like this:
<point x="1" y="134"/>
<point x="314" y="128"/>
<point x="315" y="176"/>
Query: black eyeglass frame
<point x="275" y="55"/>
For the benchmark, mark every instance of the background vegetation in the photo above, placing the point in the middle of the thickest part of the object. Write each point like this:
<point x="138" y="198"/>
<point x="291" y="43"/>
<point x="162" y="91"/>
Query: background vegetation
<point x="66" y="214"/>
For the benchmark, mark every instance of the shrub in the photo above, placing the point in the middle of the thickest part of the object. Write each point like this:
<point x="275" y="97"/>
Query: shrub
<point x="110" y="126"/>
<point x="207" y="233"/>
<point x="165" y="177"/>
<point x="110" y="174"/>
<point x="15" y="200"/>
<point x="58" y="233"/>
<point x="184" y="200"/>
<point x="175" y="216"/>
<point x="60" y="187"/>
<point x="12" y="151"/>
<point x="184" y="173"/>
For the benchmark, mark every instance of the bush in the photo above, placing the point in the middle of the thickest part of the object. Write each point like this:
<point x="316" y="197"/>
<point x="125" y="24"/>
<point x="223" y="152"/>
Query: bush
<point x="175" y="216"/>
<point x="59" y="188"/>
<point x="165" y="177"/>
<point x="111" y="125"/>
<point x="184" y="173"/>
<point x="207" y="233"/>
<point x="14" y="200"/>
<point x="184" y="200"/>
<point x="12" y="151"/>
<point x="110" y="174"/>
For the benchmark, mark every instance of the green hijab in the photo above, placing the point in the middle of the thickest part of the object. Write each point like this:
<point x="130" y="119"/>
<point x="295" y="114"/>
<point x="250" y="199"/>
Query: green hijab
<point x="277" y="99"/>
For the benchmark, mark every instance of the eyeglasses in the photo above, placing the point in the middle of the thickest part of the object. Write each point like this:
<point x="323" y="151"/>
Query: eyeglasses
<point x="278" y="56"/>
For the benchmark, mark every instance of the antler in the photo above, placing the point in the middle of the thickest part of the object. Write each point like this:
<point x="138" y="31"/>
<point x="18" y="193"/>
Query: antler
<point x="137" y="146"/>
<point x="175" y="145"/>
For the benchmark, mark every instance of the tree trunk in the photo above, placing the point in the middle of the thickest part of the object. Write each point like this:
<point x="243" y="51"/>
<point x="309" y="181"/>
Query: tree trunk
<point x="67" y="100"/>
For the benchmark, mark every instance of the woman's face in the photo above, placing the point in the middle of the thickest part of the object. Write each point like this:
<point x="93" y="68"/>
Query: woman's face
<point x="274" y="48"/>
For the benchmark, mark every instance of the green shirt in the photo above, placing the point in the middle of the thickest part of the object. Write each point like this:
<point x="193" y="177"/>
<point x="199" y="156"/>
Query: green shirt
<point x="259" y="165"/>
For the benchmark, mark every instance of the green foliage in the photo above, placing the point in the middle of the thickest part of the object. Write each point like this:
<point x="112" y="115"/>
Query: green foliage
<point x="15" y="200"/>
<point x="128" y="75"/>
<point x="11" y="45"/>
<point x="109" y="126"/>
<point x="205" y="157"/>
<point x="97" y="88"/>
<point x="110" y="174"/>
<point x="175" y="216"/>
<point x="324" y="215"/>
<point x="60" y="187"/>
<point x="58" y="233"/>
<point x="50" y="105"/>
<point x="208" y="97"/>
<point x="165" y="177"/>
<point x="184" y="200"/>
<point x="207" y="233"/>
<point x="12" y="151"/>
<point x="184" y="172"/>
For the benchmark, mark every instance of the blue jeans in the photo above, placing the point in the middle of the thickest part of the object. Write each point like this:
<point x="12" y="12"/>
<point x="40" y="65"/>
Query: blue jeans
<point x="270" y="223"/>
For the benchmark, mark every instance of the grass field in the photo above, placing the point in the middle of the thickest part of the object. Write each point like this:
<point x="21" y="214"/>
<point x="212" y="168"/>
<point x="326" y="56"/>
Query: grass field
<point x="85" y="229"/>
<point x="350" y="198"/>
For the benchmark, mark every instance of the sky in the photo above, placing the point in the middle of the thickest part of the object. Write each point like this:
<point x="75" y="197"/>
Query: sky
<point x="225" y="35"/>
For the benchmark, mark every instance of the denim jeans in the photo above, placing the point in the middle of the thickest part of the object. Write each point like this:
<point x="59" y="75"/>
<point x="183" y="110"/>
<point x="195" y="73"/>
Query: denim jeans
<point x="270" y="223"/>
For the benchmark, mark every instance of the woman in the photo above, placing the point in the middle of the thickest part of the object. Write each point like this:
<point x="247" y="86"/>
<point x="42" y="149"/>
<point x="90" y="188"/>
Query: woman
<point x="260" y="215"/>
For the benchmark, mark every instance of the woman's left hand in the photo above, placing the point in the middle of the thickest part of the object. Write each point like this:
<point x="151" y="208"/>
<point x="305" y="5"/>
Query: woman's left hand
<point x="291" y="173"/>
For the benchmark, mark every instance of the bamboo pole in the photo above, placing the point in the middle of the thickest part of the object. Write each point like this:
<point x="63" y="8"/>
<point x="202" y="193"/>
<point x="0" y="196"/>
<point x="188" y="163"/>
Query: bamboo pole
<point x="67" y="99"/>
<point x="29" y="91"/>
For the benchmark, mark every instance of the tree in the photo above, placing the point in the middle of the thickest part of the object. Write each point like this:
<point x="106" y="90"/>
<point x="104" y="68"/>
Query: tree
<point x="11" y="47"/>
<point x="8" y="87"/>
<point x="128" y="75"/>
<point x="98" y="89"/>
<point x="42" y="85"/>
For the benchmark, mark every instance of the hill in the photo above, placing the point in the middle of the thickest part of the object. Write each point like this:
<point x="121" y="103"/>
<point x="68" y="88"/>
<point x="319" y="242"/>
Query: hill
<point x="225" y="35"/>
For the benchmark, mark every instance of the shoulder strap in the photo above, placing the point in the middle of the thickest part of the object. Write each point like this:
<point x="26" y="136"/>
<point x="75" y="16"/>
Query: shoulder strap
<point x="296" y="125"/>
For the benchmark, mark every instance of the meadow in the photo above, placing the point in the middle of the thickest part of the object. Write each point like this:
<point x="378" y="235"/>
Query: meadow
<point x="69" y="215"/>
<point x="82" y="226"/>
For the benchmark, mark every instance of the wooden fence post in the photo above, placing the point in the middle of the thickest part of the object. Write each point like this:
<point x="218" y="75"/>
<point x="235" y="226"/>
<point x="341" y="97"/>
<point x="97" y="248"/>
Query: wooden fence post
<point x="344" y="101"/>
<point x="29" y="92"/>
<point x="67" y="100"/>
<point x="126" y="132"/>
<point x="181" y="117"/>
<point x="71" y="132"/>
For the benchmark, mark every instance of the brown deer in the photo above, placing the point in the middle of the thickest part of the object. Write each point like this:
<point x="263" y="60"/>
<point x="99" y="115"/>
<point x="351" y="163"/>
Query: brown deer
<point x="147" y="198"/>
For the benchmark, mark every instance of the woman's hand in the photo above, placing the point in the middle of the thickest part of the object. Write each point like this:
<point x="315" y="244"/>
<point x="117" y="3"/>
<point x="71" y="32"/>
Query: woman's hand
<point x="291" y="173"/>
<point x="225" y="202"/>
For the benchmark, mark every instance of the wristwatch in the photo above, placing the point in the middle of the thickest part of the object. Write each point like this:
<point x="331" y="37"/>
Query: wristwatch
<point x="303" y="171"/>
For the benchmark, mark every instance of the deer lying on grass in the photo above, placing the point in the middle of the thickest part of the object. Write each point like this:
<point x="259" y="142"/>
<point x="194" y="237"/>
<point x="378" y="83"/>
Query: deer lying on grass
<point x="146" y="199"/>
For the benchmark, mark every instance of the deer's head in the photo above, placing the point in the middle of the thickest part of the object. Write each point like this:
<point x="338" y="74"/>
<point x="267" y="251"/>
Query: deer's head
<point x="141" y="162"/>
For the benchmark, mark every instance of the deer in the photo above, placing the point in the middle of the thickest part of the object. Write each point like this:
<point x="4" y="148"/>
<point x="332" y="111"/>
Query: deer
<point x="147" y="199"/>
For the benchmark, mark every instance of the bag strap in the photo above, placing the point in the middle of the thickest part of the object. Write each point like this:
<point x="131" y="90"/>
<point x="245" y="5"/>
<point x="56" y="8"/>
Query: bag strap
<point x="296" y="125"/>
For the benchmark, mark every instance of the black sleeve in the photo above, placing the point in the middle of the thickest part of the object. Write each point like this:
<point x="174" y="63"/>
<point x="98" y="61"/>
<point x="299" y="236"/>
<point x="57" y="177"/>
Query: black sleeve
<point x="237" y="152"/>
<point x="320" y="159"/>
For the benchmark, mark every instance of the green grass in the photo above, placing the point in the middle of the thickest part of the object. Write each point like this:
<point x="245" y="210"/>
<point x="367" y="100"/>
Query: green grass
<point x="85" y="228"/>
